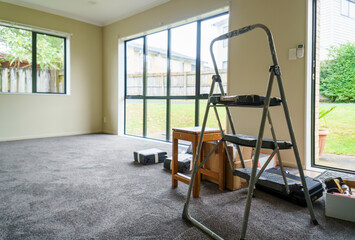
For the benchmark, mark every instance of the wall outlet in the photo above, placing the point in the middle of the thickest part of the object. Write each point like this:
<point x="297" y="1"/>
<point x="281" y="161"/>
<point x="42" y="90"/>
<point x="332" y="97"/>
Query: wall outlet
<point x="105" y="120"/>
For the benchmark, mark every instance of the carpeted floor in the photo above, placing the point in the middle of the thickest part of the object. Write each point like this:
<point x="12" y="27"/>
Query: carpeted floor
<point x="87" y="187"/>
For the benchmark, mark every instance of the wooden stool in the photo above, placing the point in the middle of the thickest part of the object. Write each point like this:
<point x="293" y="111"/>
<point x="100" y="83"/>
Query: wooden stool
<point x="192" y="134"/>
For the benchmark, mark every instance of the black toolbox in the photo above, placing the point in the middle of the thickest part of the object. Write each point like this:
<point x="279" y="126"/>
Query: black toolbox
<point x="296" y="194"/>
<point x="271" y="181"/>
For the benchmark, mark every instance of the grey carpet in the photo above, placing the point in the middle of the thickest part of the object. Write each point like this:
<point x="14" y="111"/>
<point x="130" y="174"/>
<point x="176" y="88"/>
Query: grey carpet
<point x="87" y="187"/>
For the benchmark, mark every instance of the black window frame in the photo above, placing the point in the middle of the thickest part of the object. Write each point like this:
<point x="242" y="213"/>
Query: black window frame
<point x="34" y="60"/>
<point x="197" y="97"/>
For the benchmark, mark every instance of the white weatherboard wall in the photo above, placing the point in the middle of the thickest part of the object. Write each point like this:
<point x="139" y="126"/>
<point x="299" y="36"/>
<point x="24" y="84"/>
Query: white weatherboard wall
<point x="249" y="58"/>
<point x="30" y="116"/>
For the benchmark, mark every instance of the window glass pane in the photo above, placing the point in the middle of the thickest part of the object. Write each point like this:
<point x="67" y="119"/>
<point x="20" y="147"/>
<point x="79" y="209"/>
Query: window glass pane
<point x="182" y="113"/>
<point x="134" y="67"/>
<point x="50" y="64"/>
<point x="156" y="119"/>
<point x="212" y="119"/>
<point x="344" y="7"/>
<point x="183" y="60"/>
<point x="211" y="29"/>
<point x="134" y="117"/>
<point x="15" y="60"/>
<point x="157" y="45"/>
<point x="352" y="9"/>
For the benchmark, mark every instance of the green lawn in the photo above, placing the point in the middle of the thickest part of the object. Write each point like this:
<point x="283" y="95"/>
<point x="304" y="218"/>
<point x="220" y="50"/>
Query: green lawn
<point x="341" y="124"/>
<point x="182" y="115"/>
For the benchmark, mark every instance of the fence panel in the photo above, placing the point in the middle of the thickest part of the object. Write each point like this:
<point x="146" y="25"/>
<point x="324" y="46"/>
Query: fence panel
<point x="19" y="80"/>
<point x="182" y="84"/>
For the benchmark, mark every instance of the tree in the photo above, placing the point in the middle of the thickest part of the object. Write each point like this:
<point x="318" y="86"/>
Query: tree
<point x="337" y="75"/>
<point x="16" y="48"/>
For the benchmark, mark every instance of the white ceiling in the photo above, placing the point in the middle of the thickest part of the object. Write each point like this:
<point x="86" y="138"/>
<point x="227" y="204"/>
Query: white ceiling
<point x="98" y="12"/>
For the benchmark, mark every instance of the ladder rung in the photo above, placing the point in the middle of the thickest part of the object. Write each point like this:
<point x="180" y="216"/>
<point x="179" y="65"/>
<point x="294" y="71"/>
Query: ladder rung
<point x="244" y="100"/>
<point x="250" y="141"/>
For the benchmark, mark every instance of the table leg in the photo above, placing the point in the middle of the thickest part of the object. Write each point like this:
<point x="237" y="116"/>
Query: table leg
<point x="174" y="165"/>
<point x="197" y="183"/>
<point x="221" y="174"/>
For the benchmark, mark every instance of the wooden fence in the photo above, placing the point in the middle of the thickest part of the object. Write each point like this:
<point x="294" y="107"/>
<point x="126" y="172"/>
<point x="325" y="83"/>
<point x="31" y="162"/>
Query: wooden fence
<point x="19" y="80"/>
<point x="182" y="84"/>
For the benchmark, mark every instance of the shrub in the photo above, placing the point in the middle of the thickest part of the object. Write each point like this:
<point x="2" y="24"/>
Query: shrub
<point x="337" y="75"/>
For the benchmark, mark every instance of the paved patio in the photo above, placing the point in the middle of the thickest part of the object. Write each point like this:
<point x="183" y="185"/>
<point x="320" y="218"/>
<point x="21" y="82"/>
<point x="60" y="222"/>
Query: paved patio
<point x="337" y="161"/>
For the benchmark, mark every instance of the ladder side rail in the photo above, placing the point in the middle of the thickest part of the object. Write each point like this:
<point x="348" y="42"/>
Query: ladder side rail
<point x="295" y="150"/>
<point x="289" y="124"/>
<point x="219" y="81"/>
<point x="197" y="155"/>
<point x="185" y="214"/>
<point x="208" y="155"/>
<point x="231" y="34"/>
<point x="230" y="160"/>
<point x="229" y="115"/>
<point x="265" y="165"/>
<point x="278" y="153"/>
<point x="256" y="156"/>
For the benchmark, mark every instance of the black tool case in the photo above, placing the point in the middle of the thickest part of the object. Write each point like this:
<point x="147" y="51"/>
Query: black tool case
<point x="150" y="156"/>
<point x="184" y="161"/>
<point x="271" y="181"/>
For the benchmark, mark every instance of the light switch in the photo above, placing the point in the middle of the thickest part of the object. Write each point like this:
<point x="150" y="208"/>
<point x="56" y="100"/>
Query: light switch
<point x="300" y="51"/>
<point x="292" y="54"/>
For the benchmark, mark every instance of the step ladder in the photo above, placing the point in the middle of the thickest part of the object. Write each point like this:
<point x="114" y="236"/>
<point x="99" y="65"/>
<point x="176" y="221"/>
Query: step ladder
<point x="253" y="101"/>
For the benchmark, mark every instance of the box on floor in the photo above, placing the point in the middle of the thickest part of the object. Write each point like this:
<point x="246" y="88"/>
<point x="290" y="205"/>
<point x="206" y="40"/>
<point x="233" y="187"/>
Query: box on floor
<point x="342" y="207"/>
<point x="232" y="182"/>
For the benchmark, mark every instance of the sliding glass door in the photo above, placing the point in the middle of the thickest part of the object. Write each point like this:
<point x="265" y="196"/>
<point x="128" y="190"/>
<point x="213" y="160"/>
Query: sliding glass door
<point x="333" y="84"/>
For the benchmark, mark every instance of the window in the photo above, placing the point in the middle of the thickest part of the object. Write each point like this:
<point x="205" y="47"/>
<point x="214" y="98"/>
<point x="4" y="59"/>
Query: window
<point x="31" y="62"/>
<point x="332" y="82"/>
<point x="347" y="8"/>
<point x="168" y="76"/>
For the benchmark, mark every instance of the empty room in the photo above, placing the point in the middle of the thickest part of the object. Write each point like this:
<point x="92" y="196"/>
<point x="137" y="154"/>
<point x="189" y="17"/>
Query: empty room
<point x="177" y="119"/>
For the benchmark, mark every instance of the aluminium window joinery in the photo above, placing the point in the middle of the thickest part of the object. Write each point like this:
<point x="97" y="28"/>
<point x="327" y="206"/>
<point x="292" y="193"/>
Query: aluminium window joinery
<point x="168" y="76"/>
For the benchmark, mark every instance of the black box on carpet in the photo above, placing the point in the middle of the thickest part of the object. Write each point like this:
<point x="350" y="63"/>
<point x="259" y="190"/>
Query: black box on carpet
<point x="296" y="195"/>
<point x="184" y="161"/>
<point x="150" y="156"/>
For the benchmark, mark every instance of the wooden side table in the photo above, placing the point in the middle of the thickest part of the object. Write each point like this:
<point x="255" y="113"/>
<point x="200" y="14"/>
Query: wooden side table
<point x="192" y="134"/>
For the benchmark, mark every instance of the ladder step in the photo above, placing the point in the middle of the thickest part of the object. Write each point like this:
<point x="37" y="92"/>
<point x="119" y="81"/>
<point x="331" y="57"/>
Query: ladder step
<point x="244" y="100"/>
<point x="250" y="141"/>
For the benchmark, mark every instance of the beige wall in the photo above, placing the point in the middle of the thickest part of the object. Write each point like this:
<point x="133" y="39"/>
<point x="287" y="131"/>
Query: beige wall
<point x="32" y="116"/>
<point x="249" y="57"/>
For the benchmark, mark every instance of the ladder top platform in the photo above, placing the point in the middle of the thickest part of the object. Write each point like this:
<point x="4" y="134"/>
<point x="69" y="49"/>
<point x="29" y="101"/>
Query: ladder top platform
<point x="250" y="141"/>
<point x="244" y="100"/>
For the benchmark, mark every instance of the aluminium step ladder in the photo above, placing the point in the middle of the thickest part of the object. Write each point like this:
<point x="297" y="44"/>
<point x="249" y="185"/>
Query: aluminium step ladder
<point x="255" y="101"/>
